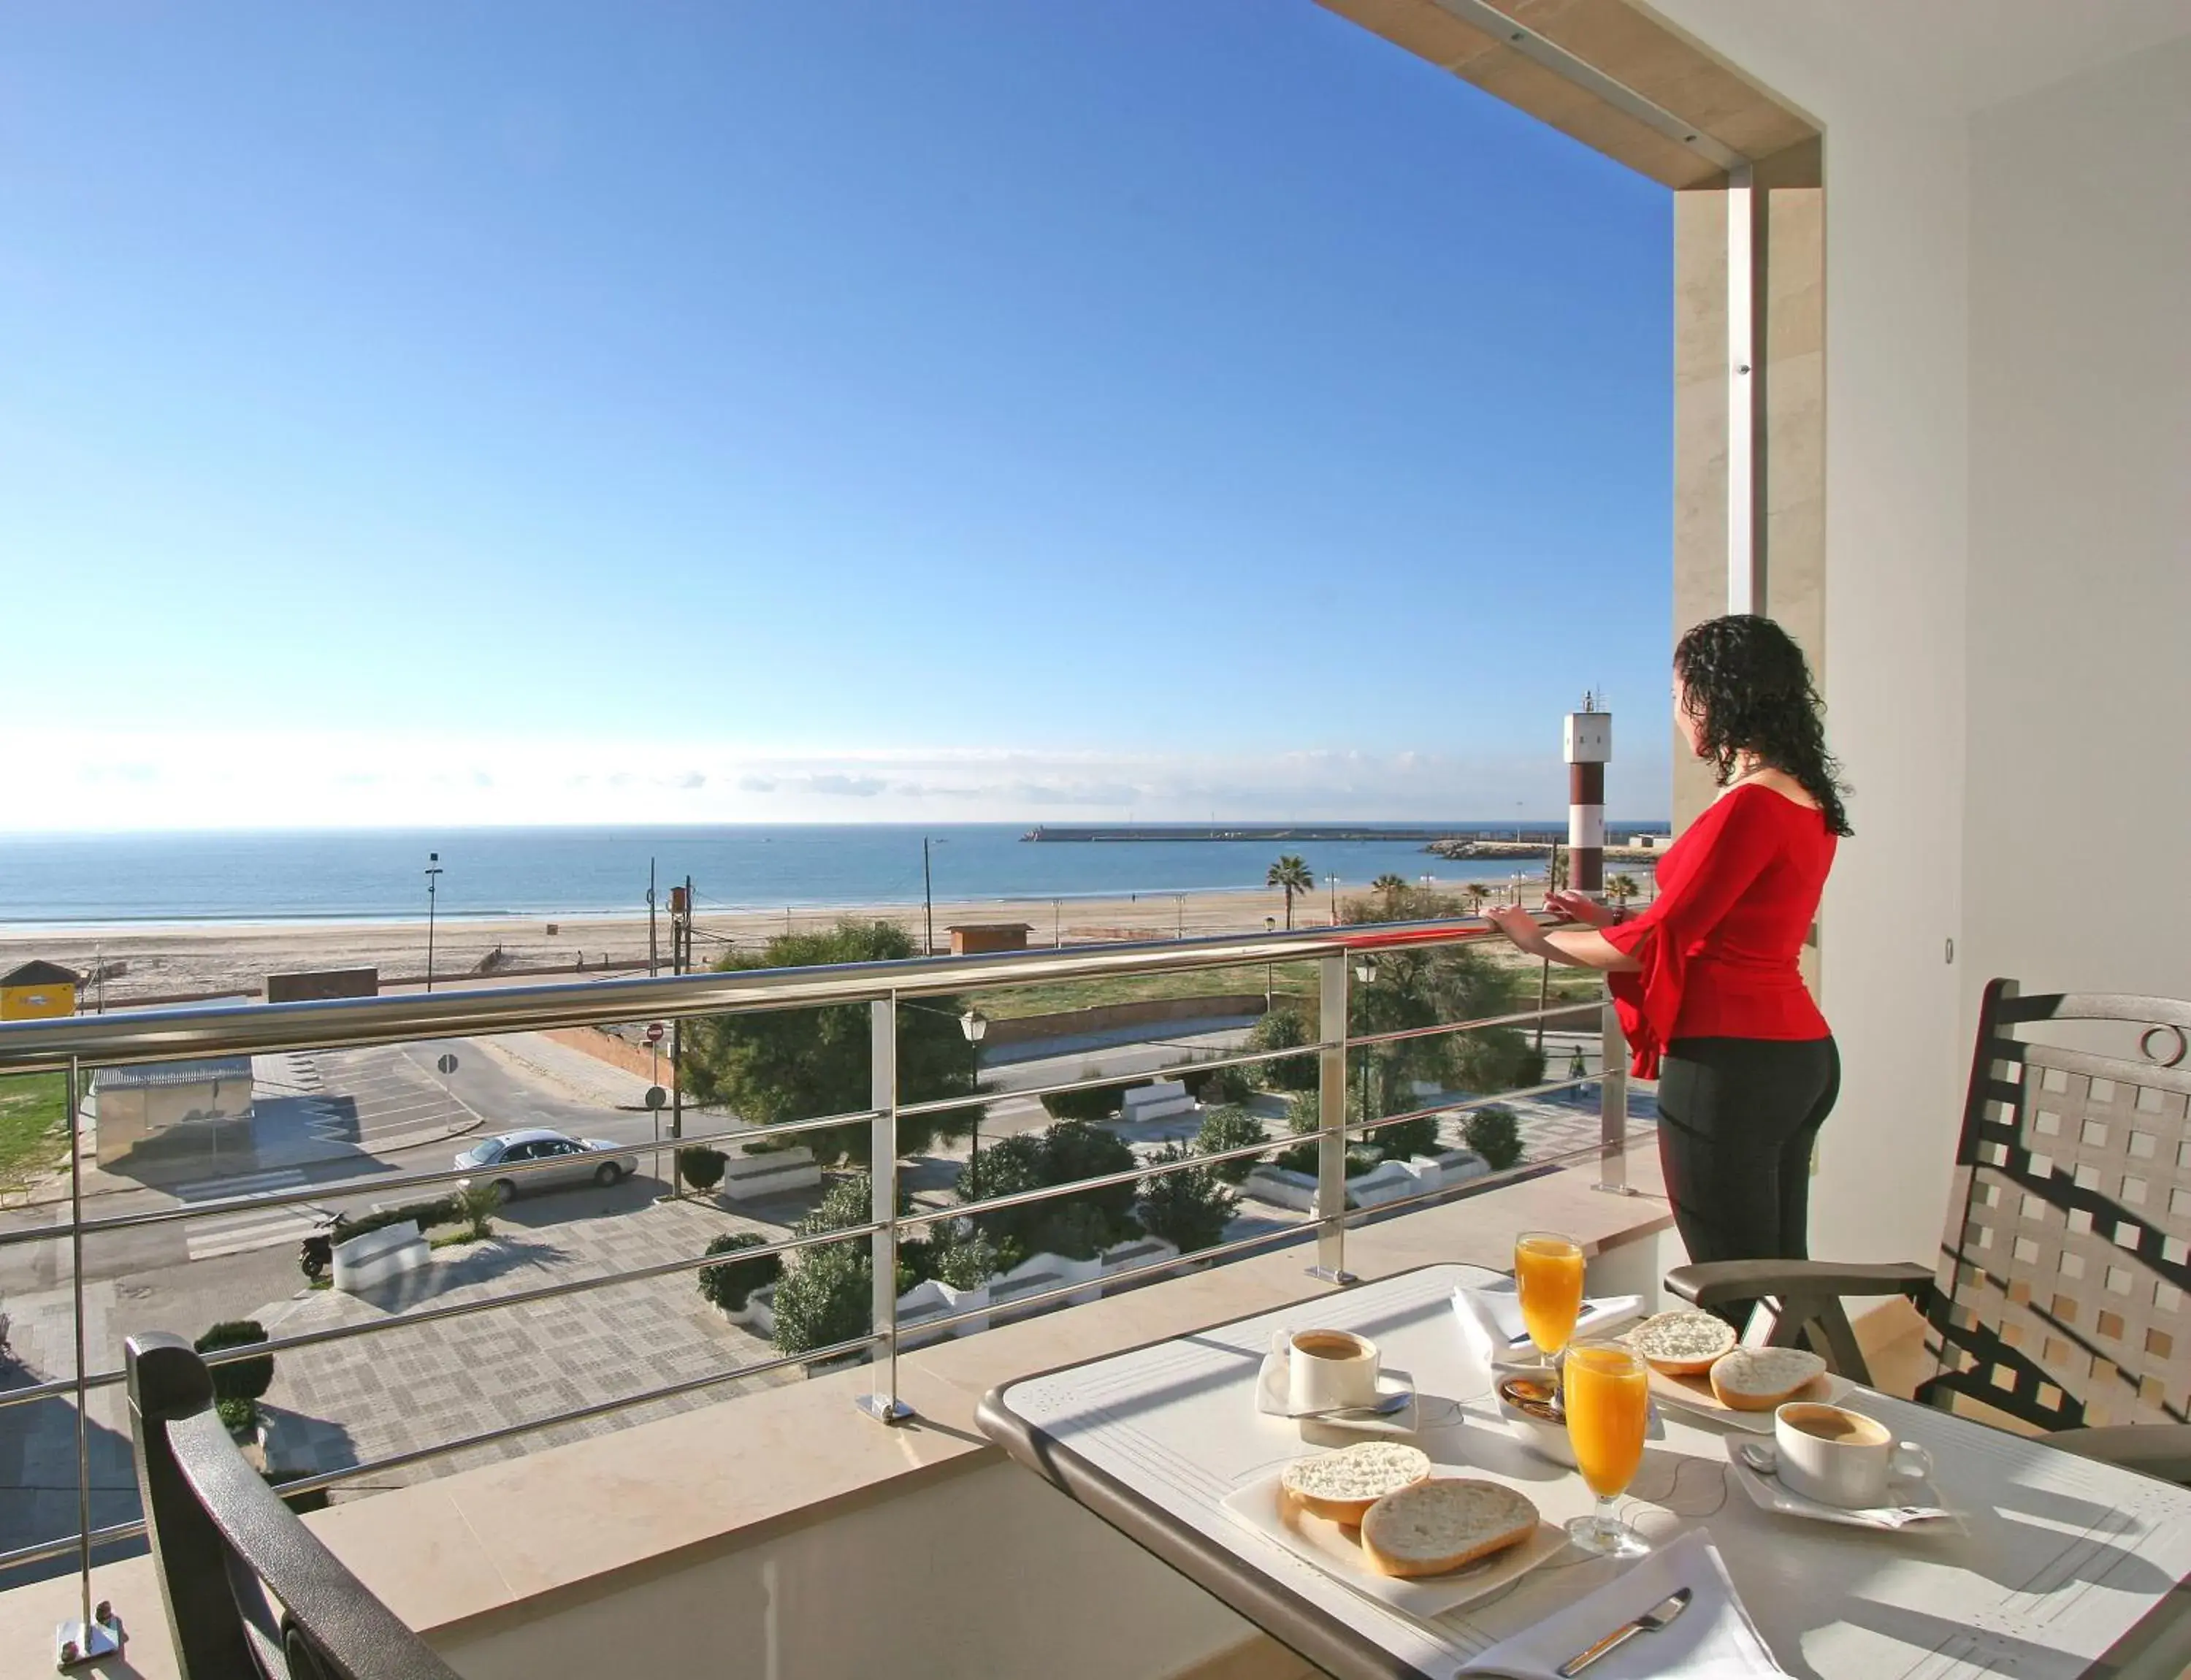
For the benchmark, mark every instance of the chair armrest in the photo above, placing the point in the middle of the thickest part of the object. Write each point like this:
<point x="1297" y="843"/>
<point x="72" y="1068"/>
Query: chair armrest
<point x="2157" y="1450"/>
<point x="1712" y="1282"/>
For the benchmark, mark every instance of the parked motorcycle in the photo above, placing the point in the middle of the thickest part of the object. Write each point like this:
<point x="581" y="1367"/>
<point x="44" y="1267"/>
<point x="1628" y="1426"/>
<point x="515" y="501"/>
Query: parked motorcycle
<point x="317" y="1250"/>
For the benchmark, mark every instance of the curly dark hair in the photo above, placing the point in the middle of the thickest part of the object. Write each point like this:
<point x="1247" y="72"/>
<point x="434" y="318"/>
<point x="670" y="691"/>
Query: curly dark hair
<point x="1748" y="691"/>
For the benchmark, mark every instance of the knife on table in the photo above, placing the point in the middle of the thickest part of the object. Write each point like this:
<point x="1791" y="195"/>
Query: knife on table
<point x="1649" y="1622"/>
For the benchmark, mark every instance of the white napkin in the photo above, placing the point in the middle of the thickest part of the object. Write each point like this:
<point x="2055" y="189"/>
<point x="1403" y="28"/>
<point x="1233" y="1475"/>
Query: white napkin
<point x="1712" y="1639"/>
<point x="1491" y="1319"/>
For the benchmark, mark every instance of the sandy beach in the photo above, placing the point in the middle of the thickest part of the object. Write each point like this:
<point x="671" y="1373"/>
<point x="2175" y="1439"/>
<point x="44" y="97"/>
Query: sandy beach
<point x="199" y="959"/>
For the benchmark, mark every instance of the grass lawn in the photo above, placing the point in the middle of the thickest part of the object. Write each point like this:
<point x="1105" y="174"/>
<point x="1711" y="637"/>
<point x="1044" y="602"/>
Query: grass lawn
<point x="33" y="1113"/>
<point x="1286" y="979"/>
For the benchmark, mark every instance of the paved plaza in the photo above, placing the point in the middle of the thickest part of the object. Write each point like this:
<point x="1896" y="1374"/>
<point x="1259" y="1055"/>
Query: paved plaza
<point x="373" y="1397"/>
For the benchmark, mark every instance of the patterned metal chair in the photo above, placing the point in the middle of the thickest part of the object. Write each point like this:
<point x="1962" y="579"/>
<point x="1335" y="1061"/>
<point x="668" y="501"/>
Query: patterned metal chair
<point x="2060" y="1296"/>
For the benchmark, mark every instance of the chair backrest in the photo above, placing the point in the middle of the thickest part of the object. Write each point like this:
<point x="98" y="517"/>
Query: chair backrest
<point x="248" y="1589"/>
<point x="2063" y="1273"/>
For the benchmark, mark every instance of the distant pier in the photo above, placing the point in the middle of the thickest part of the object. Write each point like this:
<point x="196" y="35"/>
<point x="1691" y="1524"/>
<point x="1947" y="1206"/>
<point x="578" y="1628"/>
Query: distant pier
<point x="1538" y="837"/>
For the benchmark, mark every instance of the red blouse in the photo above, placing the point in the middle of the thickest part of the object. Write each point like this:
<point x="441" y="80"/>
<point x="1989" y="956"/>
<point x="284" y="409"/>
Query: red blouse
<point x="1736" y="896"/>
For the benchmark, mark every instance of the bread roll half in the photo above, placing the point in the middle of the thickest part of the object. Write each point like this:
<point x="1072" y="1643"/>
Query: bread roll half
<point x="1758" y="1378"/>
<point x="1438" y="1526"/>
<point x="1342" y="1486"/>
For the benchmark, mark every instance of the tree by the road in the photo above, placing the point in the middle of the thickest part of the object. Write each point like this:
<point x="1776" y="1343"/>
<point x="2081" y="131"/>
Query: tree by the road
<point x="774" y="1066"/>
<point x="1431" y="987"/>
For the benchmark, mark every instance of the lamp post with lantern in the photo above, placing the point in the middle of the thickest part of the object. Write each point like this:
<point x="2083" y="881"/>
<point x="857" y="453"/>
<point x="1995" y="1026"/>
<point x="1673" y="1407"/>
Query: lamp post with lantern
<point x="976" y="1025"/>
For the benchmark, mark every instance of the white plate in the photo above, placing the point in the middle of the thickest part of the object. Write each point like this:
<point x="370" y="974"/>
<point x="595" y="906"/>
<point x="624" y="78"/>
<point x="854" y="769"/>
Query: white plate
<point x="1693" y="1394"/>
<point x="1769" y="1492"/>
<point x="1272" y="1400"/>
<point x="1338" y="1553"/>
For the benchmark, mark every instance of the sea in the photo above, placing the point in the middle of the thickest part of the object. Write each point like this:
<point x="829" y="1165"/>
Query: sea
<point x="138" y="879"/>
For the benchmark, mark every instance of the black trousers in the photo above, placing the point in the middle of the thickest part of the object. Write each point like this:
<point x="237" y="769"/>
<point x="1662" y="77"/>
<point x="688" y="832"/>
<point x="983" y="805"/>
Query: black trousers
<point x="1737" y="1118"/>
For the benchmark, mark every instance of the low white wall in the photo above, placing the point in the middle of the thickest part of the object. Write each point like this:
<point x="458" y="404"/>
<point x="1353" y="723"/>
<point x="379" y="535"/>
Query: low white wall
<point x="987" y="1572"/>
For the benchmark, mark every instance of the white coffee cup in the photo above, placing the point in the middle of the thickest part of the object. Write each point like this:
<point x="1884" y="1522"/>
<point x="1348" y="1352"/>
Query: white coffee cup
<point x="1327" y="1369"/>
<point x="1839" y="1457"/>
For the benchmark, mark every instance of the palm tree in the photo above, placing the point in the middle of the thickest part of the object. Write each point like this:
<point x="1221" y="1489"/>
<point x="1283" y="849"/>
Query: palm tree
<point x="1622" y="888"/>
<point x="1390" y="886"/>
<point x="1292" y="875"/>
<point x="1478" y="892"/>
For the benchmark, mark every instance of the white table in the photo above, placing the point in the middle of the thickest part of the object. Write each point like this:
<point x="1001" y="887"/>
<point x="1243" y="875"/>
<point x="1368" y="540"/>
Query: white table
<point x="2064" y="1557"/>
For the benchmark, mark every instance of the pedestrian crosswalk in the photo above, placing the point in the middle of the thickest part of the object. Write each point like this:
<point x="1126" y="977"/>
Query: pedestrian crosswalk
<point x="247" y="1229"/>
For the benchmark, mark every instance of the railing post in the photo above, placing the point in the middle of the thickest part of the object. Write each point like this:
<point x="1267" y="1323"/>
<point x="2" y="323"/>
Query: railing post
<point x="93" y="1634"/>
<point x="1613" y="1105"/>
<point x="882" y="1178"/>
<point x="1331" y="1120"/>
<point x="168" y="1382"/>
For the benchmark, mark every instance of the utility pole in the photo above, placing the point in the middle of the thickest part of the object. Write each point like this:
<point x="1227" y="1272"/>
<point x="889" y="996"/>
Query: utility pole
<point x="433" y="879"/>
<point x="927" y="903"/>
<point x="653" y="951"/>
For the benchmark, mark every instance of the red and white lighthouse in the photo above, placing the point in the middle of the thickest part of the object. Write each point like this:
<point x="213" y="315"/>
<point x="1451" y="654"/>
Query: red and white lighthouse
<point x="1589" y="746"/>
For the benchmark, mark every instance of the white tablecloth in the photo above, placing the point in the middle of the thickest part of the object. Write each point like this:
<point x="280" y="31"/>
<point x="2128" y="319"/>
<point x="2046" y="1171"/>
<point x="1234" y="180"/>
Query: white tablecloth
<point x="2063" y="1556"/>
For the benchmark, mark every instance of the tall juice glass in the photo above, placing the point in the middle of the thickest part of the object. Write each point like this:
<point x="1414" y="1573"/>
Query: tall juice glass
<point x="1548" y="1279"/>
<point x="1608" y="1404"/>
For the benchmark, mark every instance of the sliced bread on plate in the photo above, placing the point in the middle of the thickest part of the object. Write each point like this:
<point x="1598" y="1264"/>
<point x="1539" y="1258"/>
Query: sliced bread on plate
<point x="1758" y="1378"/>
<point x="1342" y="1486"/>
<point x="1435" y="1527"/>
<point x="1683" y="1344"/>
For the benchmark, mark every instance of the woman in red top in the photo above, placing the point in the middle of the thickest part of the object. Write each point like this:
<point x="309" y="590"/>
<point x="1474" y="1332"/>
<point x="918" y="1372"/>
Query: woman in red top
<point x="1706" y="978"/>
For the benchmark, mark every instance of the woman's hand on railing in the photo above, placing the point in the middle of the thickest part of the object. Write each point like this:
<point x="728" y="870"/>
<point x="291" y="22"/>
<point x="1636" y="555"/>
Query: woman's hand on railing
<point x="1580" y="907"/>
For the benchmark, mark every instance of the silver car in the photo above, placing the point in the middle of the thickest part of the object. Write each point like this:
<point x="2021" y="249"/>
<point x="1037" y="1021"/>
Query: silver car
<point x="590" y="1160"/>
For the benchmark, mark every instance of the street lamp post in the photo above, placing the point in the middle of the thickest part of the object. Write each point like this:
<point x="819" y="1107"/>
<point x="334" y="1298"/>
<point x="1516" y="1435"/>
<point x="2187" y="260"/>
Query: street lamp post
<point x="433" y="880"/>
<point x="1269" y="926"/>
<point x="976" y="1025"/>
<point x="1179" y="904"/>
<point x="1333" y="882"/>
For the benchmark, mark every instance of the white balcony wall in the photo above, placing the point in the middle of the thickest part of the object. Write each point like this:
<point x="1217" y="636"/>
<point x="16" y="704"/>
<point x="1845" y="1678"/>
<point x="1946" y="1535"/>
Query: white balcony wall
<point x="983" y="1571"/>
<point x="2075" y="859"/>
<point x="1940" y="587"/>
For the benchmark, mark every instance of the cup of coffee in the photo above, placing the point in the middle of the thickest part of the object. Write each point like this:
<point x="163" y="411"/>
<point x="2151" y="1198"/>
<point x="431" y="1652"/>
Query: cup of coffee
<point x="1327" y="1369"/>
<point x="1839" y="1457"/>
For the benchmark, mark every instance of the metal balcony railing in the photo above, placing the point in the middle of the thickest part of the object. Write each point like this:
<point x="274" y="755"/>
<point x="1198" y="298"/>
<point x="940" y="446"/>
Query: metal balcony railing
<point x="79" y="1046"/>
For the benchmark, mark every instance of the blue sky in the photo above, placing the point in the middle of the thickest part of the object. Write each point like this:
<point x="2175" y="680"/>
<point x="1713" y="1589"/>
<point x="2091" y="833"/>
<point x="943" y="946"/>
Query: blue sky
<point x="839" y="410"/>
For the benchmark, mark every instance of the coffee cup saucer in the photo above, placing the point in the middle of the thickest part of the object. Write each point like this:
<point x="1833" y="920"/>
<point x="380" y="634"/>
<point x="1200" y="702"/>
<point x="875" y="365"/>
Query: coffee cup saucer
<point x="1756" y="1466"/>
<point x="1272" y="1401"/>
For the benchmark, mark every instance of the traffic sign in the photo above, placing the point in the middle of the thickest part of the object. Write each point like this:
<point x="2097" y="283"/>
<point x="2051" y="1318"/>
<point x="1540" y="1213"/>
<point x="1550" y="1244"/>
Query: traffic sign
<point x="447" y="1064"/>
<point x="654" y="1032"/>
<point x="657" y="1097"/>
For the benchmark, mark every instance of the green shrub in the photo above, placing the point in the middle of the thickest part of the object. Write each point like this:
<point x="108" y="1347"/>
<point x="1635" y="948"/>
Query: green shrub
<point x="827" y="1297"/>
<point x="1076" y="1225"/>
<point x="442" y="1210"/>
<point x="951" y="1254"/>
<point x="1226" y="1129"/>
<point x="1494" y="1134"/>
<point x="1188" y="1209"/>
<point x="475" y="1206"/>
<point x="1285" y="1028"/>
<point x="1303" y="1156"/>
<point x="729" y="1285"/>
<point x="1096" y="1102"/>
<point x="1403" y="1140"/>
<point x="238" y="1417"/>
<point x="847" y="1203"/>
<point x="1304" y="1114"/>
<point x="701" y="1167"/>
<point x="1227" y="1086"/>
<point x="246" y="1379"/>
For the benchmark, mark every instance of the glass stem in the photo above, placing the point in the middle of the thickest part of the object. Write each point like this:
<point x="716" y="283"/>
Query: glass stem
<point x="1608" y="1515"/>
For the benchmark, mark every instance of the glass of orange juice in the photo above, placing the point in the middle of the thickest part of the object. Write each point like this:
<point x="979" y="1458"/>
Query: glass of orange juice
<point x="1608" y="1405"/>
<point x="1548" y="1279"/>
